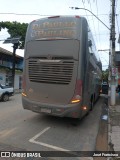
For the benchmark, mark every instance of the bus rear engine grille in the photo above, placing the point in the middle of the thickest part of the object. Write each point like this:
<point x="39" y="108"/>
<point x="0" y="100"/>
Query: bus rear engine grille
<point x="51" y="73"/>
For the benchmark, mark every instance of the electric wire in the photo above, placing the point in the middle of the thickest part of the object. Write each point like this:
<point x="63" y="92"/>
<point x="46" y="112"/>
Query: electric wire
<point x="86" y="12"/>
<point x="32" y="14"/>
<point x="25" y="14"/>
<point x="98" y="24"/>
<point x="93" y="22"/>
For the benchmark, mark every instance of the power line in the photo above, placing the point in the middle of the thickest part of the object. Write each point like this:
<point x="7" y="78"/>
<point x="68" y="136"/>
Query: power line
<point x="87" y="15"/>
<point x="93" y="21"/>
<point x="92" y="14"/>
<point x="86" y="12"/>
<point x="32" y="14"/>
<point x="25" y="14"/>
<point x="98" y="24"/>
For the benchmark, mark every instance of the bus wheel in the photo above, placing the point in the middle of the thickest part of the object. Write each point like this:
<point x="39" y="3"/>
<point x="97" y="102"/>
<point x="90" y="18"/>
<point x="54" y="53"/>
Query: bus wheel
<point x="91" y="104"/>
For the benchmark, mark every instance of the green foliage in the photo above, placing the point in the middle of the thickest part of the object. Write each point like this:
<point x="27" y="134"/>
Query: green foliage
<point x="15" y="29"/>
<point x="105" y="75"/>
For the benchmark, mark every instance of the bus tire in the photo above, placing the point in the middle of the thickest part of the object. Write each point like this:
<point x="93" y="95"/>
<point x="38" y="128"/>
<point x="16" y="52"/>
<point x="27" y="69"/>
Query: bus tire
<point x="91" y="103"/>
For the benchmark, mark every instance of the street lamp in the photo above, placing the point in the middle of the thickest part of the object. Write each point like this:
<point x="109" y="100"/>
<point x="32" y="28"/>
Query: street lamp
<point x="15" y="42"/>
<point x="92" y="14"/>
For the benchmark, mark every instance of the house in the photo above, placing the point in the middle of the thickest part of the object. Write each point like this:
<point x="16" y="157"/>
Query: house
<point x="6" y="60"/>
<point x="117" y="62"/>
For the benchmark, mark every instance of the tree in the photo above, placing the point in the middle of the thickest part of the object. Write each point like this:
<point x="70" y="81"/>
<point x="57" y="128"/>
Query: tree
<point x="105" y="75"/>
<point x="15" y="29"/>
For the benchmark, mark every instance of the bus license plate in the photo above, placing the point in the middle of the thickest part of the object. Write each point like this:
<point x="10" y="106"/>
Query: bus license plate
<point x="45" y="110"/>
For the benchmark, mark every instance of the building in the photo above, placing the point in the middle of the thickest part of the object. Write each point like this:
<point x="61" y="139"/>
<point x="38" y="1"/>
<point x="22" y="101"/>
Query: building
<point x="6" y="60"/>
<point x="117" y="62"/>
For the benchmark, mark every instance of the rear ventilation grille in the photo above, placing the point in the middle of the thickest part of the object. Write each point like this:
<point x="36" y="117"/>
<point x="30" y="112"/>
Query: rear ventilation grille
<point x="50" y="72"/>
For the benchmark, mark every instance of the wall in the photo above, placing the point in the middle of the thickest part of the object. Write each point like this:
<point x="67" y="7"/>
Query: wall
<point x="17" y="81"/>
<point x="17" y="84"/>
<point x="2" y="77"/>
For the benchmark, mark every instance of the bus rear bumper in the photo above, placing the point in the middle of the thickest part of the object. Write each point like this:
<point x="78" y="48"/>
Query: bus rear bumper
<point x="69" y="110"/>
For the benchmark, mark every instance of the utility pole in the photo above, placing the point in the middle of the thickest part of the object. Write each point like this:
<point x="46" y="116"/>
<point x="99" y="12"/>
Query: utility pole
<point x="113" y="67"/>
<point x="15" y="46"/>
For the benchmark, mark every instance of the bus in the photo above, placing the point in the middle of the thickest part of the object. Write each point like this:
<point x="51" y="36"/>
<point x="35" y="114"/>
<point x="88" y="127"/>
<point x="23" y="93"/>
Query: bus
<point x="62" y="70"/>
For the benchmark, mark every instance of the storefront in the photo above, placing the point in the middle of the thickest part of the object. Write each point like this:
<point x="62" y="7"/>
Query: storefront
<point x="6" y="69"/>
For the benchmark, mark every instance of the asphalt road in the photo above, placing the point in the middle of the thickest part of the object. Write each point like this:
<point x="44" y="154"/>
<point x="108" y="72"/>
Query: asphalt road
<point x="35" y="132"/>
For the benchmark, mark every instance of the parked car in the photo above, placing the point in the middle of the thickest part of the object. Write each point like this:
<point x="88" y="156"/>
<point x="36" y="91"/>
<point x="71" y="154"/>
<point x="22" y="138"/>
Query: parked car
<point x="5" y="92"/>
<point x="104" y="88"/>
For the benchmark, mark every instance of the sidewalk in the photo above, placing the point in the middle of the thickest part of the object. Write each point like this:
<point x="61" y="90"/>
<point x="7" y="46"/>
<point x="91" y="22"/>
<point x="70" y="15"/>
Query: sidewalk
<point x="114" y="126"/>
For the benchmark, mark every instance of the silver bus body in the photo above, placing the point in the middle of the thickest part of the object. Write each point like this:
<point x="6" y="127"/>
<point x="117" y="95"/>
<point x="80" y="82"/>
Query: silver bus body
<point x="62" y="72"/>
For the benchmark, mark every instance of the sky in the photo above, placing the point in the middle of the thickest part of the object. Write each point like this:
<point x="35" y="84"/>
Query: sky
<point x="29" y="10"/>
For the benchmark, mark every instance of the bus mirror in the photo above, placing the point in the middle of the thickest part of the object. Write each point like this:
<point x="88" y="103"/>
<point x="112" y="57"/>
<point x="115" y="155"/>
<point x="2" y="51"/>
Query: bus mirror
<point x="90" y="43"/>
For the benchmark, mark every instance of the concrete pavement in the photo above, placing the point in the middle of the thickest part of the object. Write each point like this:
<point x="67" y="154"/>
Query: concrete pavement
<point x="114" y="126"/>
<point x="113" y="131"/>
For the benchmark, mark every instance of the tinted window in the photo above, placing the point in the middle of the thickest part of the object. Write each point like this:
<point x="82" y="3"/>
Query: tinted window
<point x="105" y="88"/>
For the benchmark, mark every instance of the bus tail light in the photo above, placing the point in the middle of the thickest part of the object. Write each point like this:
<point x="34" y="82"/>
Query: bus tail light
<point x="84" y="108"/>
<point x="78" y="92"/>
<point x="77" y="16"/>
<point x="23" y="94"/>
<point x="23" y="86"/>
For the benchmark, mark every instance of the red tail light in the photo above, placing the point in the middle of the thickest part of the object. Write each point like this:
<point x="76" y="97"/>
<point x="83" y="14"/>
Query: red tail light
<point x="77" y="16"/>
<point x="78" y="92"/>
<point x="23" y="86"/>
<point x="23" y="82"/>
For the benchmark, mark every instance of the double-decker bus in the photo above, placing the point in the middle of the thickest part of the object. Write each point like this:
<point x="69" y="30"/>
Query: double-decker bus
<point x="62" y="70"/>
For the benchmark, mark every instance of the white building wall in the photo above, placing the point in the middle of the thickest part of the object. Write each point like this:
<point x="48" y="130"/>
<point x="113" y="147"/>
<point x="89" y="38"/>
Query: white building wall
<point x="16" y="82"/>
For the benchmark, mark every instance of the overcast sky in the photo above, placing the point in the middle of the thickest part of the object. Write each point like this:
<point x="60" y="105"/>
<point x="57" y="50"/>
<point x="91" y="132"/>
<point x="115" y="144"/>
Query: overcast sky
<point x="101" y="8"/>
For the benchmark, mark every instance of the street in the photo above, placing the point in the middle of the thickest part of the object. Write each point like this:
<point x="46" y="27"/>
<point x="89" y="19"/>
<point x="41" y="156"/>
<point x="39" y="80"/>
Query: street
<point x="36" y="132"/>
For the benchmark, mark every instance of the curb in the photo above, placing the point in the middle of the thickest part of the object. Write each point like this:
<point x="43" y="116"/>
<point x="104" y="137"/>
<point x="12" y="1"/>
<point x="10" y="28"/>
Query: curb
<point x="111" y="109"/>
<point x="110" y="145"/>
